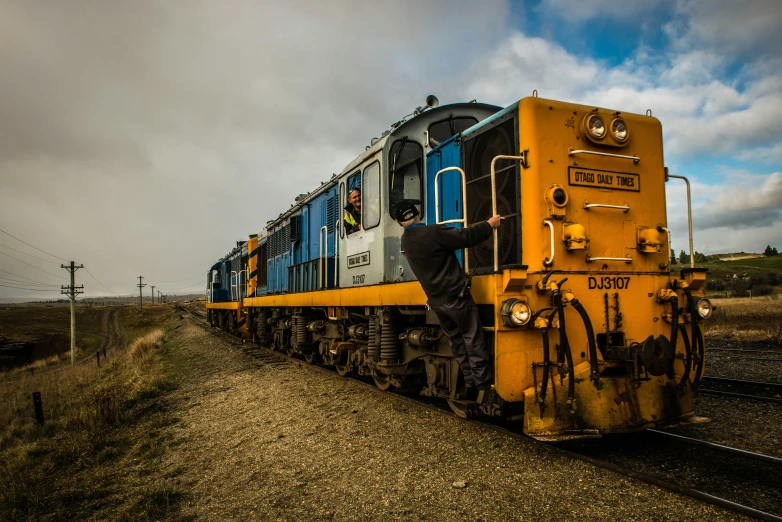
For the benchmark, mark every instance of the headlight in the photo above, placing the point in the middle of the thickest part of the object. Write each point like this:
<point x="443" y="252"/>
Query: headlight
<point x="619" y="130"/>
<point x="596" y="127"/>
<point x="515" y="312"/>
<point x="704" y="308"/>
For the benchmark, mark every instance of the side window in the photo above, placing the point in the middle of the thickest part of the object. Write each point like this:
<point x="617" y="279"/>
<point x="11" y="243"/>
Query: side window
<point x="405" y="167"/>
<point x="351" y="217"/>
<point x="370" y="197"/>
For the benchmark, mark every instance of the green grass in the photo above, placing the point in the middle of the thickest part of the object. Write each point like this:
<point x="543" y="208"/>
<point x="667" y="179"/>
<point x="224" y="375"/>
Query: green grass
<point x="758" y="265"/>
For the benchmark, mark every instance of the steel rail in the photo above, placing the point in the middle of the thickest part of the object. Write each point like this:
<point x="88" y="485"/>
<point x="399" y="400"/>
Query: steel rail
<point x="719" y="447"/>
<point x="759" y="398"/>
<point x="643" y="477"/>
<point x="757" y="384"/>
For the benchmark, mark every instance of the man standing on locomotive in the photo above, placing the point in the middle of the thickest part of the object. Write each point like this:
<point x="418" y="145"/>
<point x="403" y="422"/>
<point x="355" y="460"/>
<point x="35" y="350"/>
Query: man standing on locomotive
<point x="353" y="212"/>
<point x="430" y="252"/>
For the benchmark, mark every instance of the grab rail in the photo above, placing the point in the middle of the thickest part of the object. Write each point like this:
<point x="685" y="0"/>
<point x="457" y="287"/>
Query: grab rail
<point x="572" y="152"/>
<point x="624" y="259"/>
<point x="523" y="157"/>
<point x="549" y="261"/>
<point x="320" y="254"/>
<point x="623" y="208"/>
<point x="463" y="221"/>
<point x="689" y="215"/>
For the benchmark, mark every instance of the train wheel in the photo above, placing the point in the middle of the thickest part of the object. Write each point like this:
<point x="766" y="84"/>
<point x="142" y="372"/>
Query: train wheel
<point x="461" y="409"/>
<point x="384" y="383"/>
<point x="342" y="371"/>
<point x="312" y="357"/>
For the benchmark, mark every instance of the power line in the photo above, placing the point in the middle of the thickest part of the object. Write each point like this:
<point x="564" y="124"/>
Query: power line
<point x="22" y="277"/>
<point x="101" y="284"/>
<point x="28" y="283"/>
<point x="181" y="280"/>
<point x="31" y="289"/>
<point x="35" y="247"/>
<point x="25" y="253"/>
<point x="31" y="266"/>
<point x="185" y="288"/>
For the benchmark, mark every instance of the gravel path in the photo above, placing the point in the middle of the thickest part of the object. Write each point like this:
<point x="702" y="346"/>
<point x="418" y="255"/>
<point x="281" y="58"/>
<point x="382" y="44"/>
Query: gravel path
<point x="284" y="442"/>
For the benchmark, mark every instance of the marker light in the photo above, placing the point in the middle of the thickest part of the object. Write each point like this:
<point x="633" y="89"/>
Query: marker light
<point x="596" y="127"/>
<point x="515" y="313"/>
<point x="704" y="308"/>
<point x="619" y="130"/>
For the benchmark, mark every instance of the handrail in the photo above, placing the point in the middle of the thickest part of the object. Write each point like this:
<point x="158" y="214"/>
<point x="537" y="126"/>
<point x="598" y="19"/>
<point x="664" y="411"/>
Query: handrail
<point x="670" y="248"/>
<point x="463" y="221"/>
<point x="550" y="260"/>
<point x="625" y="259"/>
<point x="233" y="285"/>
<point x="523" y="157"/>
<point x="320" y="254"/>
<point x="624" y="208"/>
<point x="336" y="251"/>
<point x="572" y="152"/>
<point x="689" y="216"/>
<point x="241" y="296"/>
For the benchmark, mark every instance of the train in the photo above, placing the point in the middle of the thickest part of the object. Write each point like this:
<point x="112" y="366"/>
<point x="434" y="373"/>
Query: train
<point x="592" y="331"/>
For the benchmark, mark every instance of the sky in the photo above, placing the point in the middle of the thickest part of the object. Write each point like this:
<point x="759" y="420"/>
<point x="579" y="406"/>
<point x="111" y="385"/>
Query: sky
<point x="145" y="138"/>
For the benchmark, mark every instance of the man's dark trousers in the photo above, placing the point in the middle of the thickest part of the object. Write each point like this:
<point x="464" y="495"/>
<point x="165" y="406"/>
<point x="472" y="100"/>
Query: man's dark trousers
<point x="460" y="322"/>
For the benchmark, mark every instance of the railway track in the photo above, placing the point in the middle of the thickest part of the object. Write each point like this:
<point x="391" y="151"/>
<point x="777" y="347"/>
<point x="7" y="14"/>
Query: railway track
<point x="633" y="455"/>
<point x="750" y="390"/>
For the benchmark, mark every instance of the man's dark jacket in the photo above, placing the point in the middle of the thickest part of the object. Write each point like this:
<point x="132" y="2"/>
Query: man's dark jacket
<point x="430" y="253"/>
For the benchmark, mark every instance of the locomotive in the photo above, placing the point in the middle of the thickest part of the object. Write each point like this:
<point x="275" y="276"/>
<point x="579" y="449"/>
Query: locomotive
<point x="592" y="332"/>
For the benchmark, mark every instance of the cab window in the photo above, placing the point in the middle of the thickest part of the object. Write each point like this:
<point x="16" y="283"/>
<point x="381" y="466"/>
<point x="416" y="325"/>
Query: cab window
<point x="405" y="173"/>
<point x="370" y="197"/>
<point x="440" y="131"/>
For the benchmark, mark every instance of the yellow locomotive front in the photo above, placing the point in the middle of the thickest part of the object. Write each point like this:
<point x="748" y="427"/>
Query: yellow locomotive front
<point x="592" y="331"/>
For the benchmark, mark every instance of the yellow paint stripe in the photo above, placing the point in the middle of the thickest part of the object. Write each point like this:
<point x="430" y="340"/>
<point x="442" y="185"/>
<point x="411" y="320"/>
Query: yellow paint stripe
<point x="224" y="306"/>
<point x="396" y="294"/>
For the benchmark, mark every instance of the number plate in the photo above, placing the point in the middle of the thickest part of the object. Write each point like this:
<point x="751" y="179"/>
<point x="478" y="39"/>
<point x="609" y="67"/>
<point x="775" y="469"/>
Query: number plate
<point x="609" y="282"/>
<point x="604" y="179"/>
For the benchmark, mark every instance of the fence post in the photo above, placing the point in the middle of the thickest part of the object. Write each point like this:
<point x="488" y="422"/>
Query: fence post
<point x="38" y="405"/>
<point x="97" y="356"/>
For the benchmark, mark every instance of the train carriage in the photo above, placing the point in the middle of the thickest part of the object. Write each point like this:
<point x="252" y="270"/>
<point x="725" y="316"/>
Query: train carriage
<point x="591" y="331"/>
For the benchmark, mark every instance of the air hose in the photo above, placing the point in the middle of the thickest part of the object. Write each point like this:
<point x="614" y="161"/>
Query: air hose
<point x="688" y="352"/>
<point x="544" y="384"/>
<point x="590" y="332"/>
<point x="565" y="345"/>
<point x="675" y="338"/>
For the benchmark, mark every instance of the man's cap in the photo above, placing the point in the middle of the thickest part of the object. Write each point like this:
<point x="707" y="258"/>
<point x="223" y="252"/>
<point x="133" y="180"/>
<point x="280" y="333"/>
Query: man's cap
<point x="405" y="210"/>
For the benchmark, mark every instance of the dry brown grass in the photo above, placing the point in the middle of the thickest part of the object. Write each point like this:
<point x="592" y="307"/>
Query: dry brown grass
<point x="757" y="319"/>
<point x="88" y="411"/>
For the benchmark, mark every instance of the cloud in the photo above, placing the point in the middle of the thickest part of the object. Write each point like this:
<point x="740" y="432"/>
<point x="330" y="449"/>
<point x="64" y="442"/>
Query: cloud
<point x="145" y="137"/>
<point x="742" y="206"/>
<point x="728" y="27"/>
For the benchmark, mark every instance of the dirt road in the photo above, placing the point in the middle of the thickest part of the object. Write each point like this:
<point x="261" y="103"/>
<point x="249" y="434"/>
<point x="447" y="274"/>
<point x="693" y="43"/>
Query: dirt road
<point x="256" y="439"/>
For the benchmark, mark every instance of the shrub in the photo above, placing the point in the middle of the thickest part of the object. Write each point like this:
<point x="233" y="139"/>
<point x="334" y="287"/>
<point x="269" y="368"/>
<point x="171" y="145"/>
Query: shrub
<point x="143" y="345"/>
<point x="758" y="290"/>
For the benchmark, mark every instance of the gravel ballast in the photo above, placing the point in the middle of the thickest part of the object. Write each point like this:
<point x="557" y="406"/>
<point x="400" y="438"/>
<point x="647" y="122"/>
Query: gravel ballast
<point x="281" y="441"/>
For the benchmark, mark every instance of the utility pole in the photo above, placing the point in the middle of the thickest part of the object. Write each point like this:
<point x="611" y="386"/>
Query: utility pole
<point x="72" y="291"/>
<point x="153" y="294"/>
<point x="158" y="297"/>
<point x="140" y="299"/>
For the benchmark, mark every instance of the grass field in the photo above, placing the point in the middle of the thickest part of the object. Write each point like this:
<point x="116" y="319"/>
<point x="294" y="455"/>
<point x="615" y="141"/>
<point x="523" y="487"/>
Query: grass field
<point x="99" y="423"/>
<point x="754" y="266"/>
<point x="757" y="319"/>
